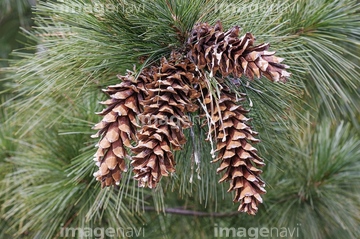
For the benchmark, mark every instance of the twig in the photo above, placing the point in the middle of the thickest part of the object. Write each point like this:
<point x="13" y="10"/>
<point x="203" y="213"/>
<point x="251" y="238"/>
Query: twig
<point x="66" y="224"/>
<point x="186" y="212"/>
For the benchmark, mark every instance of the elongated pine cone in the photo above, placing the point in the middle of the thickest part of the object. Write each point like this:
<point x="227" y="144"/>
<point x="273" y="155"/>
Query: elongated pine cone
<point x="228" y="54"/>
<point x="163" y="119"/>
<point x="118" y="127"/>
<point x="237" y="156"/>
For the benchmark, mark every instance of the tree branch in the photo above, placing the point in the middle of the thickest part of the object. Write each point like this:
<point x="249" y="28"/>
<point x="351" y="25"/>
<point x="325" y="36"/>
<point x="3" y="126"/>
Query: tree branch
<point x="182" y="211"/>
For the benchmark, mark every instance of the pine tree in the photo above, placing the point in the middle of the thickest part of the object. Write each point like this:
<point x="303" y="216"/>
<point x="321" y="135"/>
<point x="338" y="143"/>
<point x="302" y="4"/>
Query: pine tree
<point x="212" y="65"/>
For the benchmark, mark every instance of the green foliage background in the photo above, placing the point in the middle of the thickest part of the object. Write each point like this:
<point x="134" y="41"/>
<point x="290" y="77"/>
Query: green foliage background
<point x="50" y="89"/>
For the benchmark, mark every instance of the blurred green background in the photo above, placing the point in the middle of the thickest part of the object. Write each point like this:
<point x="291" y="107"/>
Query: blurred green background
<point x="13" y="15"/>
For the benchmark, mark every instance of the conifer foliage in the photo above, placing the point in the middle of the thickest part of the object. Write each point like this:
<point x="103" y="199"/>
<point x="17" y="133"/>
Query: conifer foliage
<point x="191" y="80"/>
<point x="146" y="115"/>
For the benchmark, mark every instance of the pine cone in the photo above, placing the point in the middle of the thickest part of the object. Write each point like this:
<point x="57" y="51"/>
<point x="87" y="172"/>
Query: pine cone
<point x="238" y="157"/>
<point x="230" y="55"/>
<point x="164" y="117"/>
<point x="118" y="127"/>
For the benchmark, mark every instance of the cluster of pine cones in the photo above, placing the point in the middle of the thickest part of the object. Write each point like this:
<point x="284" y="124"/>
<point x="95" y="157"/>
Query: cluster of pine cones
<point x="145" y="116"/>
